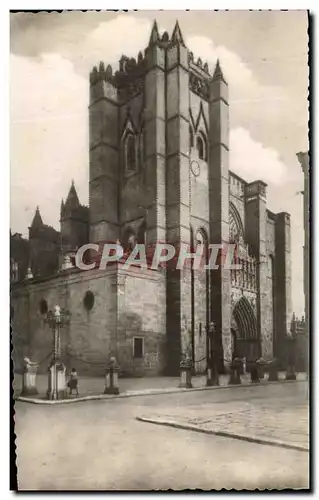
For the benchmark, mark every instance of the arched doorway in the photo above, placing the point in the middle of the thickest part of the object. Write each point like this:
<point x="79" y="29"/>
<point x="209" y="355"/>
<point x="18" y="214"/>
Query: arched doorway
<point x="246" y="334"/>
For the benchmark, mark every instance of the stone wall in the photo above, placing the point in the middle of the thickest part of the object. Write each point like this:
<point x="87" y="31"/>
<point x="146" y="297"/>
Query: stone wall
<point x="86" y="342"/>
<point x="93" y="335"/>
<point x="142" y="314"/>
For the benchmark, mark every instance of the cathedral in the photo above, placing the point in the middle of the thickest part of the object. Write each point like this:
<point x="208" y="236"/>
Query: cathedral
<point x="159" y="171"/>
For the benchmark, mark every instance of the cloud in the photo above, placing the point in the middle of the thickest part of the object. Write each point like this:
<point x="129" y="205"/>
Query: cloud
<point x="252" y="160"/>
<point x="49" y="138"/>
<point x="243" y="85"/>
<point x="122" y="35"/>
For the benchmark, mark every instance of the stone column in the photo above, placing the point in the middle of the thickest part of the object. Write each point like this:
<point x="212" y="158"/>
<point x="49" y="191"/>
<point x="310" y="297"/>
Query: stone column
<point x="219" y="208"/>
<point x="256" y="226"/>
<point x="283" y="280"/>
<point x="177" y="199"/>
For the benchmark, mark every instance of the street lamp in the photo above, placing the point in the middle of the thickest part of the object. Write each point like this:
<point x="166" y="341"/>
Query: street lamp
<point x="57" y="319"/>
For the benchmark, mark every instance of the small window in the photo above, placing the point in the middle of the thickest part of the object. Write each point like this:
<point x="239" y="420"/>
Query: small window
<point x="199" y="238"/>
<point x="88" y="300"/>
<point x="191" y="137"/>
<point x="138" y="347"/>
<point x="43" y="306"/>
<point x="130" y="153"/>
<point x="200" y="147"/>
<point x="200" y="330"/>
<point x="131" y="242"/>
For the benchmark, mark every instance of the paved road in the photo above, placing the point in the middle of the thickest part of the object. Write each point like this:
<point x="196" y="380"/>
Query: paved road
<point x="99" y="445"/>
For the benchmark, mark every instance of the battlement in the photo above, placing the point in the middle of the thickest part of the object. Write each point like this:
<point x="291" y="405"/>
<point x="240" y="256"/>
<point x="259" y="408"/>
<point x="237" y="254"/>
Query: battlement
<point x="256" y="188"/>
<point x="198" y="66"/>
<point x="129" y="68"/>
<point x="128" y="79"/>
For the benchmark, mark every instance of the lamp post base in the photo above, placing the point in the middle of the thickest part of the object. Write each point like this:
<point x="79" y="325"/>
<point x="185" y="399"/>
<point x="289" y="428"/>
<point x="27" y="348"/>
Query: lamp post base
<point x="185" y="377"/>
<point x="112" y="379"/>
<point x="56" y="383"/>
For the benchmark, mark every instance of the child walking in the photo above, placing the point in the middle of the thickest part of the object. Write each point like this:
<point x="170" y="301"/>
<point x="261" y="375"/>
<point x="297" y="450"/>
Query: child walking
<point x="73" y="382"/>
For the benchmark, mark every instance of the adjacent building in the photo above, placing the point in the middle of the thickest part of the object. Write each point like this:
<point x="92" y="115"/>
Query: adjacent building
<point x="303" y="159"/>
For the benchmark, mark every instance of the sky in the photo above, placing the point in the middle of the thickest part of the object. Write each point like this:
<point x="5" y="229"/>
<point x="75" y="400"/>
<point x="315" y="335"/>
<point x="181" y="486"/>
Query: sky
<point x="264" y="57"/>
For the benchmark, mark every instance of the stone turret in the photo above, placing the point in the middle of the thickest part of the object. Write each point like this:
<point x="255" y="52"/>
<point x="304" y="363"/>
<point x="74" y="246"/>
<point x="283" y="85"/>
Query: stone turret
<point x="74" y="222"/>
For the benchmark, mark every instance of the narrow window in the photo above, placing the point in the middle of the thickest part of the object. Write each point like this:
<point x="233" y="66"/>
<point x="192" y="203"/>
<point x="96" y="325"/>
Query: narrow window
<point x="191" y="138"/>
<point x="200" y="147"/>
<point x="138" y="347"/>
<point x="88" y="300"/>
<point x="131" y="242"/>
<point x="130" y="154"/>
<point x="43" y="307"/>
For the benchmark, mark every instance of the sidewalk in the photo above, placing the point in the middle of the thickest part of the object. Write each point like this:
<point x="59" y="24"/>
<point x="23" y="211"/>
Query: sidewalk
<point x="282" y="422"/>
<point x="93" y="388"/>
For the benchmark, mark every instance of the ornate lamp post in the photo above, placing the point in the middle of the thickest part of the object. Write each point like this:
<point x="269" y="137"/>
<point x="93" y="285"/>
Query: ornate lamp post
<point x="56" y="320"/>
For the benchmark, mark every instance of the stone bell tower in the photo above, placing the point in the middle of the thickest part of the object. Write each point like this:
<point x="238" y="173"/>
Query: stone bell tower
<point x="159" y="172"/>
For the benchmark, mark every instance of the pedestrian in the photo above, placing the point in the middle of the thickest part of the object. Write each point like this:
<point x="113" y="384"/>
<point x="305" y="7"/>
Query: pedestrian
<point x="73" y="382"/>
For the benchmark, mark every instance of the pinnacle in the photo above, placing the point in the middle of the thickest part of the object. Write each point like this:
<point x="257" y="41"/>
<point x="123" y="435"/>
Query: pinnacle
<point x="72" y="200"/>
<point x="154" y="38"/>
<point x="218" y="74"/>
<point x="177" y="36"/>
<point x="37" y="219"/>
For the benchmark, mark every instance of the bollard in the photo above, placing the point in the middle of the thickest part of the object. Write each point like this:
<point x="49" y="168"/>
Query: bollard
<point x="111" y="379"/>
<point x="291" y="360"/>
<point x="29" y="378"/>
<point x="254" y="372"/>
<point x="236" y="368"/>
<point x="244" y="361"/>
<point x="212" y="377"/>
<point x="273" y="371"/>
<point x="290" y="373"/>
<point x="186" y="374"/>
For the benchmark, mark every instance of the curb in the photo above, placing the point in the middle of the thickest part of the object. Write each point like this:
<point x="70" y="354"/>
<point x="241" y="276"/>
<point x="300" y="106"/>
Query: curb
<point x="150" y="392"/>
<point x="241" y="437"/>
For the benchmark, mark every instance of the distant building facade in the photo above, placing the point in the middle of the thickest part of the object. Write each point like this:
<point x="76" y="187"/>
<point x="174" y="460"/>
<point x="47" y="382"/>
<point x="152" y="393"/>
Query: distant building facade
<point x="303" y="159"/>
<point x="159" y="171"/>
